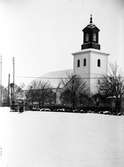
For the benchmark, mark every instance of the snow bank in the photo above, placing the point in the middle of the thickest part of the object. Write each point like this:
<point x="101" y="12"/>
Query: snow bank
<point x="42" y="139"/>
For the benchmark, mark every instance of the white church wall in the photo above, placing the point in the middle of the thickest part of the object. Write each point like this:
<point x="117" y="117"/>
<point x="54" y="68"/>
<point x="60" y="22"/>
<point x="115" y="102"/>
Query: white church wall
<point x="91" y="73"/>
<point x="103" y="57"/>
<point x="82" y="71"/>
<point x="96" y="73"/>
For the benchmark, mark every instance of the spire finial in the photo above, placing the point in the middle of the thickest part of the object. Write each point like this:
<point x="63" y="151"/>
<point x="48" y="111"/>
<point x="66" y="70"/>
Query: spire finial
<point x="91" y="21"/>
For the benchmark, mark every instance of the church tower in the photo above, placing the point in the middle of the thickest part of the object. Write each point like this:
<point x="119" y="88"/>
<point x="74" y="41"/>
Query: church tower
<point x="90" y="63"/>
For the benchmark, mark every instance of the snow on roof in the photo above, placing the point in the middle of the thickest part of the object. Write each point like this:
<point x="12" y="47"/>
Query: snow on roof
<point x="55" y="77"/>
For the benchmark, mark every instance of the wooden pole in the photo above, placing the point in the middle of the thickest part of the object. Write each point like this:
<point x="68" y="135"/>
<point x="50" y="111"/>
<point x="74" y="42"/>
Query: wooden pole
<point x="13" y="79"/>
<point x="9" y="98"/>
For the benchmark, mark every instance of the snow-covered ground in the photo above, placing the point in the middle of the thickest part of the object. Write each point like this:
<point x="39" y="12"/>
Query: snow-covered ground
<point x="44" y="139"/>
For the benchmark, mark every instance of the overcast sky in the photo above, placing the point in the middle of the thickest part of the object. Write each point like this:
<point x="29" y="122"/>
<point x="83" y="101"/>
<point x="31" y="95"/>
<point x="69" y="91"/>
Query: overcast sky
<point x="42" y="34"/>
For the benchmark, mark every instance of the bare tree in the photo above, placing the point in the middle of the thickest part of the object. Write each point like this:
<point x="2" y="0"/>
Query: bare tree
<point x="4" y="96"/>
<point x="73" y="90"/>
<point x="112" y="85"/>
<point x="41" y="92"/>
<point x="19" y="91"/>
<point x="7" y="96"/>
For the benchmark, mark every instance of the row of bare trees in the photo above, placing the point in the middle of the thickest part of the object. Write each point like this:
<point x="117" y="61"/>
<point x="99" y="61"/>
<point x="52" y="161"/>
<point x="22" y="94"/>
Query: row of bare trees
<point x="74" y="91"/>
<point x="112" y="86"/>
<point x="41" y="92"/>
<point x="110" y="90"/>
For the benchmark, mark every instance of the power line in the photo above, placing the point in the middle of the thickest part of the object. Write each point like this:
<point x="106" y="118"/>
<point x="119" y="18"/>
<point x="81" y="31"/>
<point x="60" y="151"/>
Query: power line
<point x="33" y="77"/>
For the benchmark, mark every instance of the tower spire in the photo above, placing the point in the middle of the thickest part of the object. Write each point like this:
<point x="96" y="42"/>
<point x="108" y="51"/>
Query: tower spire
<point x="91" y="21"/>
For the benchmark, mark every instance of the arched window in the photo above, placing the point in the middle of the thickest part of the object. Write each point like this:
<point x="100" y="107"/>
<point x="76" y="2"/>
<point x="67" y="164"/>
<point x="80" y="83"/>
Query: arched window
<point x="99" y="81"/>
<point x="94" y="37"/>
<point x="86" y="37"/>
<point x="84" y="62"/>
<point x="98" y="63"/>
<point x="78" y="63"/>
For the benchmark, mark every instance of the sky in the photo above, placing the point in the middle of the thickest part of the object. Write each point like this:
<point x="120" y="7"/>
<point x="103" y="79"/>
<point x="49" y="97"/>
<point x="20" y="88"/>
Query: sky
<point x="43" y="34"/>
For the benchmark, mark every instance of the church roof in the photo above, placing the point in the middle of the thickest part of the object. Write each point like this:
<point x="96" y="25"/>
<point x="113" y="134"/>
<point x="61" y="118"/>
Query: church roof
<point x="91" y="26"/>
<point x="54" y="78"/>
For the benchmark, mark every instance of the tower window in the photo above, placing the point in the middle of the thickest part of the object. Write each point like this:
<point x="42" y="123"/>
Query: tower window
<point x="78" y="63"/>
<point x="98" y="63"/>
<point x="85" y="62"/>
<point x="94" y="37"/>
<point x="86" y="37"/>
<point x="99" y="82"/>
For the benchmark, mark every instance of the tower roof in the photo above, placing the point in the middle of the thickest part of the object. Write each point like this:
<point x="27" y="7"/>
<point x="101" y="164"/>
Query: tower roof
<point x="91" y="26"/>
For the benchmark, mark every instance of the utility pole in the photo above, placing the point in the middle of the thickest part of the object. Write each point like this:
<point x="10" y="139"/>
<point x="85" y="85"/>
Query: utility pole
<point x="13" y="79"/>
<point x="9" y="98"/>
<point x="1" y="91"/>
<point x="12" y="85"/>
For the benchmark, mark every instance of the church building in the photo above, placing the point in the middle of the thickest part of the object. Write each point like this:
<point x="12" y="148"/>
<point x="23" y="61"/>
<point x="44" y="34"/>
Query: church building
<point x="90" y="63"/>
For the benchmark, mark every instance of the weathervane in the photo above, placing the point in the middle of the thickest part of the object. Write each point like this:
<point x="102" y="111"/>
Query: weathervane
<point x="91" y="19"/>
